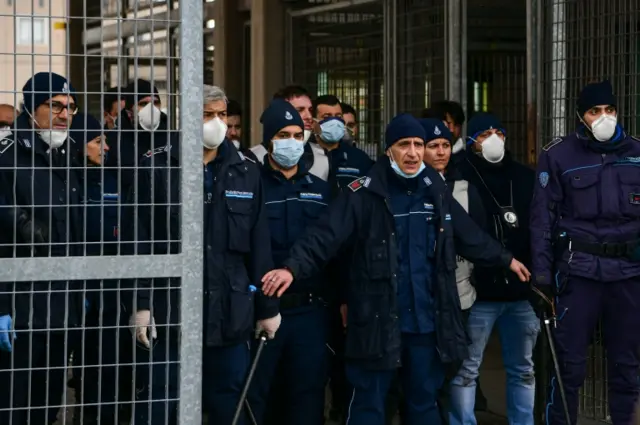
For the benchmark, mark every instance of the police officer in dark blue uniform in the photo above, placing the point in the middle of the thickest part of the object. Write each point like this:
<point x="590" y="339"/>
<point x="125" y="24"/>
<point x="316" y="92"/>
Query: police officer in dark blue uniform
<point x="237" y="253"/>
<point x="39" y="201"/>
<point x="104" y="342"/>
<point x="403" y="230"/>
<point x="293" y="198"/>
<point x="142" y="127"/>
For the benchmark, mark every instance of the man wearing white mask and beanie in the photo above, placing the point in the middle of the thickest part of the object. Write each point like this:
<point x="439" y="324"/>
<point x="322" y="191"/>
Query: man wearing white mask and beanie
<point x="237" y="254"/>
<point x="506" y="189"/>
<point x="142" y="127"/>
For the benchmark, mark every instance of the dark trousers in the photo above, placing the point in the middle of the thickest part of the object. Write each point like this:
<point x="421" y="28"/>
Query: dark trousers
<point x="156" y="373"/>
<point x="300" y="346"/>
<point x="225" y="373"/>
<point x="33" y="377"/>
<point x="102" y="373"/>
<point x="338" y="384"/>
<point x="421" y="377"/>
<point x="579" y="307"/>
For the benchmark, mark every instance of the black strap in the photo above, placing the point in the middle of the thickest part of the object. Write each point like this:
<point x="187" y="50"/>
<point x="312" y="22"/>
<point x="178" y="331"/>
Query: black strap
<point x="610" y="250"/>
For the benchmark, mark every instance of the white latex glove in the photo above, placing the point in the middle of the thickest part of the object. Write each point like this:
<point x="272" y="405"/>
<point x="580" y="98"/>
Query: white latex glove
<point x="270" y="326"/>
<point x="139" y="323"/>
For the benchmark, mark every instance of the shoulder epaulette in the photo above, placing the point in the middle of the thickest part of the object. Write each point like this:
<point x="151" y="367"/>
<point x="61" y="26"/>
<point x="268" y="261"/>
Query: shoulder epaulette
<point x="552" y="143"/>
<point x="6" y="141"/>
<point x="245" y="158"/>
<point x="357" y="184"/>
<point x="150" y="153"/>
<point x="635" y="139"/>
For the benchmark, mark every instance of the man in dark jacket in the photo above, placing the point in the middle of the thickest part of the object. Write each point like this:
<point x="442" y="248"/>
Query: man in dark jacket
<point x="506" y="188"/>
<point x="585" y="242"/>
<point x="237" y="253"/>
<point x="40" y="217"/>
<point x="402" y="230"/>
<point x="293" y="200"/>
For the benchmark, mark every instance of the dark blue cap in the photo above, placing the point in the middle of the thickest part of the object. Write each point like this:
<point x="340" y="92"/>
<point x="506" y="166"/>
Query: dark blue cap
<point x="140" y="88"/>
<point x="481" y="122"/>
<point x="435" y="129"/>
<point x="42" y="87"/>
<point x="85" y="128"/>
<point x="278" y="115"/>
<point x="594" y="94"/>
<point x="402" y="126"/>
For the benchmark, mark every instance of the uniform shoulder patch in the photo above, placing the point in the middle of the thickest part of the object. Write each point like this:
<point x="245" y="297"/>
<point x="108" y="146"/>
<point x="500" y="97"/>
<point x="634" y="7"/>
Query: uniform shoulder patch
<point x="552" y="143"/>
<point x="6" y="140"/>
<point x="245" y="158"/>
<point x="357" y="184"/>
<point x="156" y="151"/>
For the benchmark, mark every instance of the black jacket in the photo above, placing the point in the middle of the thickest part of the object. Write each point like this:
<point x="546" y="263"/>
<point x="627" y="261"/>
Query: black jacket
<point x="504" y="181"/>
<point x="237" y="244"/>
<point x="42" y="184"/>
<point x="361" y="219"/>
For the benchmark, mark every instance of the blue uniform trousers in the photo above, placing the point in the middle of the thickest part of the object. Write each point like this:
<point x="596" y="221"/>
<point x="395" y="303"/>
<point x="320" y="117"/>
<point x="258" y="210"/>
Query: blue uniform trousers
<point x="300" y="346"/>
<point x="156" y="379"/>
<point x="225" y="373"/>
<point x="421" y="376"/>
<point x="579" y="306"/>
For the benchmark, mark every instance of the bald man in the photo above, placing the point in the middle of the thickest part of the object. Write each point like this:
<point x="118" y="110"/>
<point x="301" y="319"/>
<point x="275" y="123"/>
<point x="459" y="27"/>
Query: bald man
<point x="8" y="115"/>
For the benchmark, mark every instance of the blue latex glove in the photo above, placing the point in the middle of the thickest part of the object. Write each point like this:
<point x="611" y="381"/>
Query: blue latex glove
<point x="6" y="328"/>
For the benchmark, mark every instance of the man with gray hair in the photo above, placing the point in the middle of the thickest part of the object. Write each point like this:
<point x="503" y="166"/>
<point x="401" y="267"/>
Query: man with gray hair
<point x="237" y="254"/>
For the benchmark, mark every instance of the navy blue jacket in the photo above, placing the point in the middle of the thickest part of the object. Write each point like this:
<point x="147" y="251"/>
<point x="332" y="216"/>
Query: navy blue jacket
<point x="347" y="164"/>
<point x="237" y="249"/>
<point x="129" y="144"/>
<point x="292" y="205"/>
<point x="362" y="219"/>
<point x="31" y="176"/>
<point x="502" y="181"/>
<point x="414" y="216"/>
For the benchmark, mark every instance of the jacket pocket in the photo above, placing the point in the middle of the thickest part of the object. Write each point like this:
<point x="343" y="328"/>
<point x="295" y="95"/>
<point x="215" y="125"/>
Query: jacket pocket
<point x="240" y="308"/>
<point x="629" y="178"/>
<point x="378" y="264"/>
<point x="239" y="219"/>
<point x="584" y="195"/>
<point x="365" y="327"/>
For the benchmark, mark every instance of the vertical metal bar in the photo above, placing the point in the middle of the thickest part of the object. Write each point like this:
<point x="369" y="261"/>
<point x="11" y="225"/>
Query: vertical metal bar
<point x="191" y="81"/>
<point x="453" y="52"/>
<point x="558" y="68"/>
<point x="531" y="81"/>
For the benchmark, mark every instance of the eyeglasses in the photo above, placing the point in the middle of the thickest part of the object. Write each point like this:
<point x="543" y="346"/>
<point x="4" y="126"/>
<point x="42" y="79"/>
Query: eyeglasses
<point x="57" y="108"/>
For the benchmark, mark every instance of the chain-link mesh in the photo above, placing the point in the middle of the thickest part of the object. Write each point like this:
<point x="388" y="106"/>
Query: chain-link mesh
<point x="101" y="224"/>
<point x="339" y="52"/>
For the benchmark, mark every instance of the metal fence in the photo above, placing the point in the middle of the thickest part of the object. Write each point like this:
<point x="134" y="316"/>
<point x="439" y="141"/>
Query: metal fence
<point x="95" y="46"/>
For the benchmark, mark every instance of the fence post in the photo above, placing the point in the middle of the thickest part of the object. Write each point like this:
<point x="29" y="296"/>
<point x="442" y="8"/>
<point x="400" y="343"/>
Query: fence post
<point x="191" y="82"/>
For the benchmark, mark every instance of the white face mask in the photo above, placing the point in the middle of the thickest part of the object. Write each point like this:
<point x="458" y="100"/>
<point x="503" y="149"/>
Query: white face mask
<point x="149" y="117"/>
<point x="213" y="133"/>
<point x="236" y="143"/>
<point x="53" y="138"/>
<point x="493" y="149"/>
<point x="604" y="127"/>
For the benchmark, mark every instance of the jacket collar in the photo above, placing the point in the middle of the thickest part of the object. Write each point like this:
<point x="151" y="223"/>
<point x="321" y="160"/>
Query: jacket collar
<point x="28" y="138"/>
<point x="377" y="180"/>
<point x="301" y="175"/>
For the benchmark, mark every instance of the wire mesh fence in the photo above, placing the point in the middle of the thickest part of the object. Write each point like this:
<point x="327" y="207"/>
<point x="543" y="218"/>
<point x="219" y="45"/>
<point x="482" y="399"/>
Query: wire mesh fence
<point x="101" y="222"/>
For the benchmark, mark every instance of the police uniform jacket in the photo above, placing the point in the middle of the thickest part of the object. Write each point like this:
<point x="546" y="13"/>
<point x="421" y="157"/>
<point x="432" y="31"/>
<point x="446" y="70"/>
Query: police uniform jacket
<point x="362" y="219"/>
<point x="292" y="206"/>
<point x="585" y="215"/>
<point x="43" y="184"/>
<point x="237" y="249"/>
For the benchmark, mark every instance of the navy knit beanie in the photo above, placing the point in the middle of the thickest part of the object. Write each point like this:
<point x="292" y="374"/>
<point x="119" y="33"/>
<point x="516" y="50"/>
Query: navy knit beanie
<point x="141" y="88"/>
<point x="85" y="128"/>
<point x="403" y="126"/>
<point x="482" y="122"/>
<point x="596" y="94"/>
<point x="278" y="115"/>
<point x="435" y="129"/>
<point x="42" y="87"/>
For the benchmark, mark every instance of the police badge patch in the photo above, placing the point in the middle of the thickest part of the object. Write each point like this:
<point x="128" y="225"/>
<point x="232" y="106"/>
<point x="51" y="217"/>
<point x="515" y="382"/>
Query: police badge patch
<point x="544" y="179"/>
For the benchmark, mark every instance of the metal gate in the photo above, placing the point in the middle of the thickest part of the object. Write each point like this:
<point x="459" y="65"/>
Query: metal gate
<point x="140" y="46"/>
